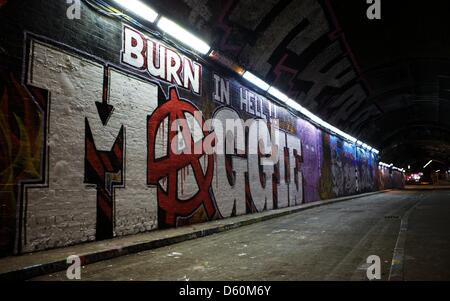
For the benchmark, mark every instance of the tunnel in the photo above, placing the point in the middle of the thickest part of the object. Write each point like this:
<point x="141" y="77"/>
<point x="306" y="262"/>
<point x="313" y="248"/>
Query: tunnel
<point x="265" y="139"/>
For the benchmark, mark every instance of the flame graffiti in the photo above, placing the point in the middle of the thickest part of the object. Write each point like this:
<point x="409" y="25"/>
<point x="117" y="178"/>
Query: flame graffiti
<point x="21" y="135"/>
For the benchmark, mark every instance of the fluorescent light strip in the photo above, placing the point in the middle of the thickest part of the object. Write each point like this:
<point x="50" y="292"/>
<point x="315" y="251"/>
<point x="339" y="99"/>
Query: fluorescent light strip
<point x="428" y="164"/>
<point x="278" y="94"/>
<point x="391" y="166"/>
<point x="293" y="104"/>
<point x="320" y="121"/>
<point x="256" y="80"/>
<point x="182" y="35"/>
<point x="140" y="9"/>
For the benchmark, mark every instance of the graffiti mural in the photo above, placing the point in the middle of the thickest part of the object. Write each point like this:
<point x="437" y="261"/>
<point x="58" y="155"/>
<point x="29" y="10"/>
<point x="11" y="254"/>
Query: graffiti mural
<point x="366" y="165"/>
<point x="122" y="175"/>
<point x="183" y="180"/>
<point x="88" y="178"/>
<point x="388" y="178"/>
<point x="21" y="130"/>
<point x="312" y="150"/>
<point x="343" y="169"/>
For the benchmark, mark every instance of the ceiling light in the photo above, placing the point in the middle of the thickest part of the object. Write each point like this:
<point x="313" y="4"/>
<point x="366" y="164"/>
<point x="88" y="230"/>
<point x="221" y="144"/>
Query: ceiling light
<point x="256" y="81"/>
<point x="183" y="35"/>
<point x="278" y="94"/>
<point x="140" y="9"/>
<point x="428" y="164"/>
<point x="293" y="104"/>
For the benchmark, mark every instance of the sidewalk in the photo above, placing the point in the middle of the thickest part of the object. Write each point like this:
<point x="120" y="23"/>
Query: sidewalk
<point x="30" y="265"/>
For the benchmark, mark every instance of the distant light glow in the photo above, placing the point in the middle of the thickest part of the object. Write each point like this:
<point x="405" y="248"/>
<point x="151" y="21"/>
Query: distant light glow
<point x="182" y="35"/>
<point x="383" y="164"/>
<point x="414" y="177"/>
<point x="140" y="9"/>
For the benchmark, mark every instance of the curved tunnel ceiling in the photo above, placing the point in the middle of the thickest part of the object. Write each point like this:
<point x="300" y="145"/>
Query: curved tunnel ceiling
<point x="384" y="81"/>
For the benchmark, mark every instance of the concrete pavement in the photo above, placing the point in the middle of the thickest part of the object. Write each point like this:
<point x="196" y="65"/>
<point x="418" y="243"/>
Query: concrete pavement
<point x="325" y="243"/>
<point x="51" y="261"/>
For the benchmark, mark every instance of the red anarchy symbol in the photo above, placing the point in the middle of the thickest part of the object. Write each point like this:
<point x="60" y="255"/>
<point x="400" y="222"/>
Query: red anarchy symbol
<point x="169" y="166"/>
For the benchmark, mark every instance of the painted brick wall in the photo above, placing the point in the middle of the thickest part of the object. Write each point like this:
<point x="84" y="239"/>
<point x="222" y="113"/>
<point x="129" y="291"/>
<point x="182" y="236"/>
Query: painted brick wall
<point x="86" y="137"/>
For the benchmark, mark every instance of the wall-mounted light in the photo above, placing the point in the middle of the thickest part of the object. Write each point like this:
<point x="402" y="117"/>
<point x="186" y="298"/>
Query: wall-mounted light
<point x="140" y="9"/>
<point x="182" y="35"/>
<point x="248" y="76"/>
<point x="278" y="94"/>
<point x="311" y="116"/>
<point x="384" y="164"/>
<point x="293" y="104"/>
<point x="347" y="136"/>
<point x="350" y="138"/>
<point x="325" y="124"/>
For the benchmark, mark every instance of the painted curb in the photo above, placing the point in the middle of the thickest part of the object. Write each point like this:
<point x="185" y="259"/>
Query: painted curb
<point x="89" y="258"/>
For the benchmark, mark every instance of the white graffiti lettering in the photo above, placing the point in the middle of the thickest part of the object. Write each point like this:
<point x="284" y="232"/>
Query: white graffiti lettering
<point x="145" y="54"/>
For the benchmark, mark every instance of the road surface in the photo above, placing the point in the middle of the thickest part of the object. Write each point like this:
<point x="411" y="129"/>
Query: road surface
<point x="331" y="242"/>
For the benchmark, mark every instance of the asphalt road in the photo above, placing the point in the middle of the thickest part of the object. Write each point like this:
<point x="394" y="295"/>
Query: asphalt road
<point x="325" y="243"/>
